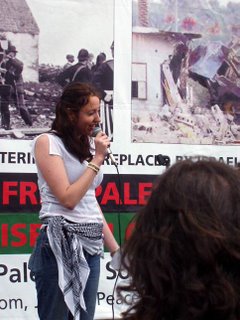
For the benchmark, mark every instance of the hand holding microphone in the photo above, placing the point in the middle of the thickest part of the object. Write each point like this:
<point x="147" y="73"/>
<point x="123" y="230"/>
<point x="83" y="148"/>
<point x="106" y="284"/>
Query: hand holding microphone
<point x="96" y="132"/>
<point x="101" y="144"/>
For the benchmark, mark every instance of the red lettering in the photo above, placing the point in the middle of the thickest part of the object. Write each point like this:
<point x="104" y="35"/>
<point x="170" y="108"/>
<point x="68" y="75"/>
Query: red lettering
<point x="19" y="235"/>
<point x="4" y="235"/>
<point x="28" y="190"/>
<point x="7" y="192"/>
<point x="111" y="193"/>
<point x="34" y="231"/>
<point x="144" y="192"/>
<point x="127" y="199"/>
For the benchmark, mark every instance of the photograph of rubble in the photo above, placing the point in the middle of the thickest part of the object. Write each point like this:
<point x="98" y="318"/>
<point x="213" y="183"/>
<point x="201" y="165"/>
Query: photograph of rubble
<point x="42" y="44"/>
<point x="186" y="72"/>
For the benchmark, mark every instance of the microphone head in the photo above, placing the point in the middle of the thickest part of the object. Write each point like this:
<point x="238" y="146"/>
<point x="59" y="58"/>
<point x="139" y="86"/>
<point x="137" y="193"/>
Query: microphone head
<point x="96" y="130"/>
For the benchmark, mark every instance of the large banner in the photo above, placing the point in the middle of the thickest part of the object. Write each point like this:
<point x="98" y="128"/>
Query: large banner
<point x="17" y="293"/>
<point x="171" y="93"/>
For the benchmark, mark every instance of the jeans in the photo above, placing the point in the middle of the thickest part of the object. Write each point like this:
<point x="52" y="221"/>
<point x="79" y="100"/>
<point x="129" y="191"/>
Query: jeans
<point x="51" y="305"/>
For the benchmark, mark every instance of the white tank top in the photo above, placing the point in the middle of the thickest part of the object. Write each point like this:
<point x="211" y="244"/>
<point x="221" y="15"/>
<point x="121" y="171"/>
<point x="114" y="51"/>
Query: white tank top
<point x="87" y="210"/>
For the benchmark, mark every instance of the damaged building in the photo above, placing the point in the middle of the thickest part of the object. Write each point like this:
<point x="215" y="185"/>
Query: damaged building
<point x="182" y="92"/>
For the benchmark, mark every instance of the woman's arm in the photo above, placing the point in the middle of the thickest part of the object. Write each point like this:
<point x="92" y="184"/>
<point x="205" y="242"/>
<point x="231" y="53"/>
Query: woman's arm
<point x="53" y="170"/>
<point x="109" y="240"/>
<point x="112" y="245"/>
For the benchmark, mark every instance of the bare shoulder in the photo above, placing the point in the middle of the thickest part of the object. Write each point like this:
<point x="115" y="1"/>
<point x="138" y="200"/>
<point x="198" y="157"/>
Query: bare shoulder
<point x="42" y="144"/>
<point x="42" y="138"/>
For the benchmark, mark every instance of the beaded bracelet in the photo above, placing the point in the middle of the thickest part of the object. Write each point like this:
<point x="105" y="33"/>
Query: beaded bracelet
<point x="94" y="167"/>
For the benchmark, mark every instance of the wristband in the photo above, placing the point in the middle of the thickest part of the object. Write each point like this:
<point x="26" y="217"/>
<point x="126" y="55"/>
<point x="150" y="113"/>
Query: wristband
<point x="94" y="167"/>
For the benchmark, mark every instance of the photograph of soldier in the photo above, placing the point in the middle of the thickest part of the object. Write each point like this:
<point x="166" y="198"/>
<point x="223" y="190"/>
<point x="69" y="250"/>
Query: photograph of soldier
<point x="103" y="79"/>
<point x="33" y="64"/>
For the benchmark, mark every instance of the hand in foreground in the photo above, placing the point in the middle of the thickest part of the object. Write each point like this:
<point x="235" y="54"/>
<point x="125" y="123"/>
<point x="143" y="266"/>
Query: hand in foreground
<point x="116" y="262"/>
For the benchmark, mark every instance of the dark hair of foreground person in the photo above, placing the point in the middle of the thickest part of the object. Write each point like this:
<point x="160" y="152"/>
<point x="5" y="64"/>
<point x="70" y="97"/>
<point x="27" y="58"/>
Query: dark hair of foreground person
<point x="183" y="257"/>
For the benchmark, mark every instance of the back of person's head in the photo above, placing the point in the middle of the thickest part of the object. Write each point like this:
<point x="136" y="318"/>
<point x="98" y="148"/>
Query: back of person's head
<point x="183" y="257"/>
<point x="101" y="57"/>
<point x="83" y="55"/>
<point x="70" y="57"/>
<point x="74" y="97"/>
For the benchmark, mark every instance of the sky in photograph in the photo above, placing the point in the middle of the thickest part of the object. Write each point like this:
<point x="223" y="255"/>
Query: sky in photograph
<point x="66" y="26"/>
<point x="222" y="2"/>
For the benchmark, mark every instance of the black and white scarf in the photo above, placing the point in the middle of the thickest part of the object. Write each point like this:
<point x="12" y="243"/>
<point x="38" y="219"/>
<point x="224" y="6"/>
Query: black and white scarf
<point x="67" y="241"/>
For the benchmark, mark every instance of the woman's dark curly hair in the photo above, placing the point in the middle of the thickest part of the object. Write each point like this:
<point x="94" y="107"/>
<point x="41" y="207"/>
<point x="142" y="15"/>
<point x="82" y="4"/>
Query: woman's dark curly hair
<point x="74" y="97"/>
<point x="183" y="257"/>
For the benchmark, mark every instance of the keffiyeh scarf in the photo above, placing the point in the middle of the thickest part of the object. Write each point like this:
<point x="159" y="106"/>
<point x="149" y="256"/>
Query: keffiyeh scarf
<point x="68" y="241"/>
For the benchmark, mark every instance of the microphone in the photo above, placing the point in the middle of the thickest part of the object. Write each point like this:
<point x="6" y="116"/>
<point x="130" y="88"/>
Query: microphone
<point x="163" y="160"/>
<point x="96" y="131"/>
